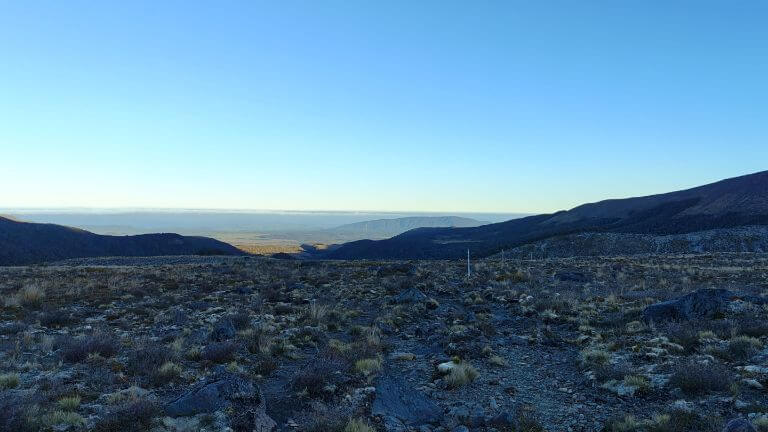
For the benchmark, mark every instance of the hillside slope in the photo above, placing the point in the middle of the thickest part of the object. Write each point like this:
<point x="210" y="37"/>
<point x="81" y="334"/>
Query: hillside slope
<point x="738" y="201"/>
<point x="26" y="243"/>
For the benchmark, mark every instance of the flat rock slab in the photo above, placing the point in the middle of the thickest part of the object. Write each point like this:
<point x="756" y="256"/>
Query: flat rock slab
<point x="398" y="400"/>
<point x="214" y="394"/>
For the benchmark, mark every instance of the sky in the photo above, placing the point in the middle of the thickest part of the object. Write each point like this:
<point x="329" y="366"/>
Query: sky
<point x="465" y="106"/>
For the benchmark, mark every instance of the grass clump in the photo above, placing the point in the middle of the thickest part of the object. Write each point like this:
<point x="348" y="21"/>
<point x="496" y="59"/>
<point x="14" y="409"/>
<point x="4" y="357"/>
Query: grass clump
<point x="368" y="366"/>
<point x="741" y="348"/>
<point x="69" y="403"/>
<point x="595" y="356"/>
<point x="9" y="381"/>
<point x="460" y="375"/>
<point x="642" y="383"/>
<point x="166" y="373"/>
<point x="58" y="417"/>
<point x="498" y="361"/>
<point x="30" y="296"/>
<point x="358" y="425"/>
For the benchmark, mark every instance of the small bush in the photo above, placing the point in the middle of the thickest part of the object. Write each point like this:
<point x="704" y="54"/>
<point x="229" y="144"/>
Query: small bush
<point x="133" y="417"/>
<point x="148" y="360"/>
<point x="742" y="348"/>
<point x="77" y="350"/>
<point x="316" y="375"/>
<point x="14" y="414"/>
<point x="219" y="352"/>
<point x="55" y="318"/>
<point x="685" y="335"/>
<point x="640" y="382"/>
<point x="761" y="424"/>
<point x="696" y="378"/>
<point x="240" y="320"/>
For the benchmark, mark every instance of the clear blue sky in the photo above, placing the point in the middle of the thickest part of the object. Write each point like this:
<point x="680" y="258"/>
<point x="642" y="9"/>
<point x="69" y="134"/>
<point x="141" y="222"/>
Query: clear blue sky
<point x="526" y="106"/>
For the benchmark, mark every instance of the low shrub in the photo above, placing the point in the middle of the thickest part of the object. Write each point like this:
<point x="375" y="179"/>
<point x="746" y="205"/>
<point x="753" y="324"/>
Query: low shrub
<point x="133" y="417"/>
<point x="55" y="318"/>
<point x="76" y="350"/>
<point x="697" y="378"/>
<point x="742" y="348"/>
<point x="219" y="352"/>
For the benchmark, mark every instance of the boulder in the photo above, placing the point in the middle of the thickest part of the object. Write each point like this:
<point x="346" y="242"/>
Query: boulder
<point x="396" y="401"/>
<point x="704" y="303"/>
<point x="739" y="425"/>
<point x="225" y="391"/>
<point x="411" y="295"/>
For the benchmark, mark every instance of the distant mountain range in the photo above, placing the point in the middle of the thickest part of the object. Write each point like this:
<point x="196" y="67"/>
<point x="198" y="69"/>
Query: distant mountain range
<point x="734" y="202"/>
<point x="383" y="228"/>
<point x="27" y="243"/>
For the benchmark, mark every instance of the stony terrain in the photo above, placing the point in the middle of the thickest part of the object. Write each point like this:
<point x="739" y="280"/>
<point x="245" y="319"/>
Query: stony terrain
<point x="244" y="344"/>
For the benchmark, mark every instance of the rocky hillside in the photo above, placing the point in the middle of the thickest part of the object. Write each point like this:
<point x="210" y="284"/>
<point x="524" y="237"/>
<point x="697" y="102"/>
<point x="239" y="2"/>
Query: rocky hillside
<point x="26" y="243"/>
<point x="736" y="240"/>
<point x="734" y="202"/>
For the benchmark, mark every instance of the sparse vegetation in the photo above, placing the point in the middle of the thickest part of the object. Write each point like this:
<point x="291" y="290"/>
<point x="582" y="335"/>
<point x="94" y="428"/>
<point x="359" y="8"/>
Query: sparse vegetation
<point x="109" y="346"/>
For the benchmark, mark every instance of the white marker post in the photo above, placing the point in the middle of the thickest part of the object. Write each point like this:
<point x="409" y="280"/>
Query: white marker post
<point x="469" y="272"/>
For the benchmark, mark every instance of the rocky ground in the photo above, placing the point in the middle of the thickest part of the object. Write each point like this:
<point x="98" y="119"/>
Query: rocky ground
<point x="244" y="344"/>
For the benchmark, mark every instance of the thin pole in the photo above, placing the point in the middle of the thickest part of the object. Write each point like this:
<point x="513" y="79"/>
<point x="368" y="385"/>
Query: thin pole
<point x="469" y="272"/>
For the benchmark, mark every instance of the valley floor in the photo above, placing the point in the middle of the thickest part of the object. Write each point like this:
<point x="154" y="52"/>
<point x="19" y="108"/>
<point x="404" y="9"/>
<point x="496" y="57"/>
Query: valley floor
<point x="207" y="343"/>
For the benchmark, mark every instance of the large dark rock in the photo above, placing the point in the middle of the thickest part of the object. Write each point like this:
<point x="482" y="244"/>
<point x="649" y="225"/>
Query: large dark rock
<point x="739" y="425"/>
<point x="398" y="402"/>
<point x="704" y="303"/>
<point x="411" y="295"/>
<point x="225" y="391"/>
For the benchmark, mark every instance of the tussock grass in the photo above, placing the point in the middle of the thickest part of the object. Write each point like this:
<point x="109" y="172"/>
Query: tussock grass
<point x="58" y="417"/>
<point x="358" y="425"/>
<point x="368" y="366"/>
<point x="69" y="403"/>
<point x="9" y="381"/>
<point x="460" y="375"/>
<point x="30" y="296"/>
